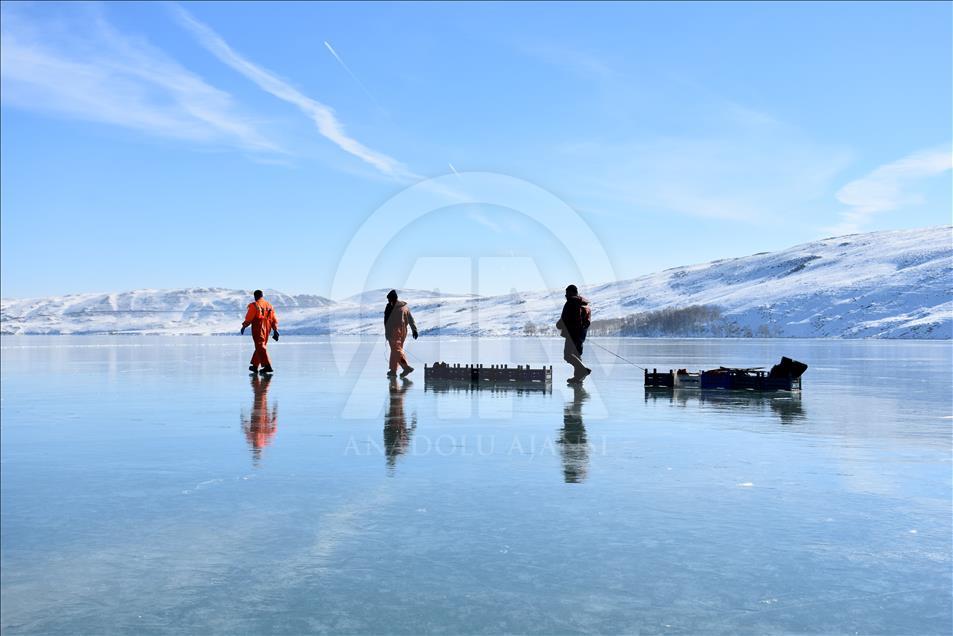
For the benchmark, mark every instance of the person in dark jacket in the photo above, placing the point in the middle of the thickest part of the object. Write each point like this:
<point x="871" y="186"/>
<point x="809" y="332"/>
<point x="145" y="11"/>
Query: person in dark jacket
<point x="573" y="324"/>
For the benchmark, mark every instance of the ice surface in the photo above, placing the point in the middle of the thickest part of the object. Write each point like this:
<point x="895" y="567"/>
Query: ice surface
<point x="150" y="485"/>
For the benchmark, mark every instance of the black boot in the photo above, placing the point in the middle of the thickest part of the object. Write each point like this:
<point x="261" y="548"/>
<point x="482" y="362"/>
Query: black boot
<point x="267" y="369"/>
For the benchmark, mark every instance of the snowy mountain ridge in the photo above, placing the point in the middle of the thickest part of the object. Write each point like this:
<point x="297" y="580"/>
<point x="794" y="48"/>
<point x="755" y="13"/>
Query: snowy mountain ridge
<point x="889" y="284"/>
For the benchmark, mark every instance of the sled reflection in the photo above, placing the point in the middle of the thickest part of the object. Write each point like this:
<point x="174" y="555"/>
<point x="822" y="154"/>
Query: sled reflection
<point x="261" y="423"/>
<point x="785" y="404"/>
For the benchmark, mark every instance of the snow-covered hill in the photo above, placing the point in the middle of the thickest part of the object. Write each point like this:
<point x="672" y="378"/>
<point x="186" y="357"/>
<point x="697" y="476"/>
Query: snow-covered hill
<point x="199" y="310"/>
<point x="893" y="284"/>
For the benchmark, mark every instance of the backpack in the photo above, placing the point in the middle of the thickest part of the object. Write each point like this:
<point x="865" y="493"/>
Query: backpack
<point x="585" y="316"/>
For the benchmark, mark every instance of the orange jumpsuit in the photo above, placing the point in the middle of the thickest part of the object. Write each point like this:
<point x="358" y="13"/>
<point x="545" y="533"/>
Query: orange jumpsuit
<point x="262" y="318"/>
<point x="395" y="330"/>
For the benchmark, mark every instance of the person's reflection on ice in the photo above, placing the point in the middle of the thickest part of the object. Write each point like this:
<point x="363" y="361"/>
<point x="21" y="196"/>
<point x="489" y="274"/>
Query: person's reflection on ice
<point x="573" y="444"/>
<point x="260" y="425"/>
<point x="396" y="433"/>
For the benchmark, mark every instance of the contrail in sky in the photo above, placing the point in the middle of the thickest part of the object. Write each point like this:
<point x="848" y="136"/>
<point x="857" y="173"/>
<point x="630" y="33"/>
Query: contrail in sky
<point x="351" y="73"/>
<point x="322" y="115"/>
<point x="453" y="169"/>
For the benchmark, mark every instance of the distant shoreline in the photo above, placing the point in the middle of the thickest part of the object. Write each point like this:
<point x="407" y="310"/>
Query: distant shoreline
<point x="369" y="337"/>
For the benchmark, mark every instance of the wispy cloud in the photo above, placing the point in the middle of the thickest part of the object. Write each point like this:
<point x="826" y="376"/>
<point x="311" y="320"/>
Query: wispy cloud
<point x="84" y="69"/>
<point x="749" y="169"/>
<point x="322" y="115"/>
<point x="889" y="187"/>
<point x="709" y="156"/>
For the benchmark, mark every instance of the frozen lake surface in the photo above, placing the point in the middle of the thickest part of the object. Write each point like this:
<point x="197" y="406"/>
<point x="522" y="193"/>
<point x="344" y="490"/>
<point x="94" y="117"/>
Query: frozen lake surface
<point x="149" y="485"/>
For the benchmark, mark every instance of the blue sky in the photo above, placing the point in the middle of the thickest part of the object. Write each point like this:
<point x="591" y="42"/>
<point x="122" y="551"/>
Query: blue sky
<point x="244" y="145"/>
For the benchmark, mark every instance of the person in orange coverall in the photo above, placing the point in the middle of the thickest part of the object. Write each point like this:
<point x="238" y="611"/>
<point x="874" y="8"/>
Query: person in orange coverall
<point x="397" y="317"/>
<point x="262" y="423"/>
<point x="263" y="320"/>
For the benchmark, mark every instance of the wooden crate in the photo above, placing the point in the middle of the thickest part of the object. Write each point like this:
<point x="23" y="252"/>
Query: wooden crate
<point x="482" y="374"/>
<point x="655" y="379"/>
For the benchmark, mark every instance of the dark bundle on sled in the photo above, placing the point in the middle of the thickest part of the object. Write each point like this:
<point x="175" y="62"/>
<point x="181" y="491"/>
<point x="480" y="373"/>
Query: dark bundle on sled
<point x="788" y="368"/>
<point x="784" y="376"/>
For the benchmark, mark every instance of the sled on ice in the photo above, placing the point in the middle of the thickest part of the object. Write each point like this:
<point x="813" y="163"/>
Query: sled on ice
<point x="784" y="376"/>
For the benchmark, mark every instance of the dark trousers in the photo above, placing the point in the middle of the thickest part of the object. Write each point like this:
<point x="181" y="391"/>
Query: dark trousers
<point x="572" y="353"/>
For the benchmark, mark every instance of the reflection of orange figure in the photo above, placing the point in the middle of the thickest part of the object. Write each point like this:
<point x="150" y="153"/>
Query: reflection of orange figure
<point x="261" y="424"/>
<point x="396" y="433"/>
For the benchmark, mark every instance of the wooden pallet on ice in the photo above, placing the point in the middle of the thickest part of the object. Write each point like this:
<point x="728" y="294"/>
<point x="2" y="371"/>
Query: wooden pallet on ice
<point x="493" y="374"/>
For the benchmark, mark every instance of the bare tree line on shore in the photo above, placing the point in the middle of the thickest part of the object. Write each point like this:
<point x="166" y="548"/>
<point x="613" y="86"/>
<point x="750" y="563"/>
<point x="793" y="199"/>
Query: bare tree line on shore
<point x="690" y="321"/>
